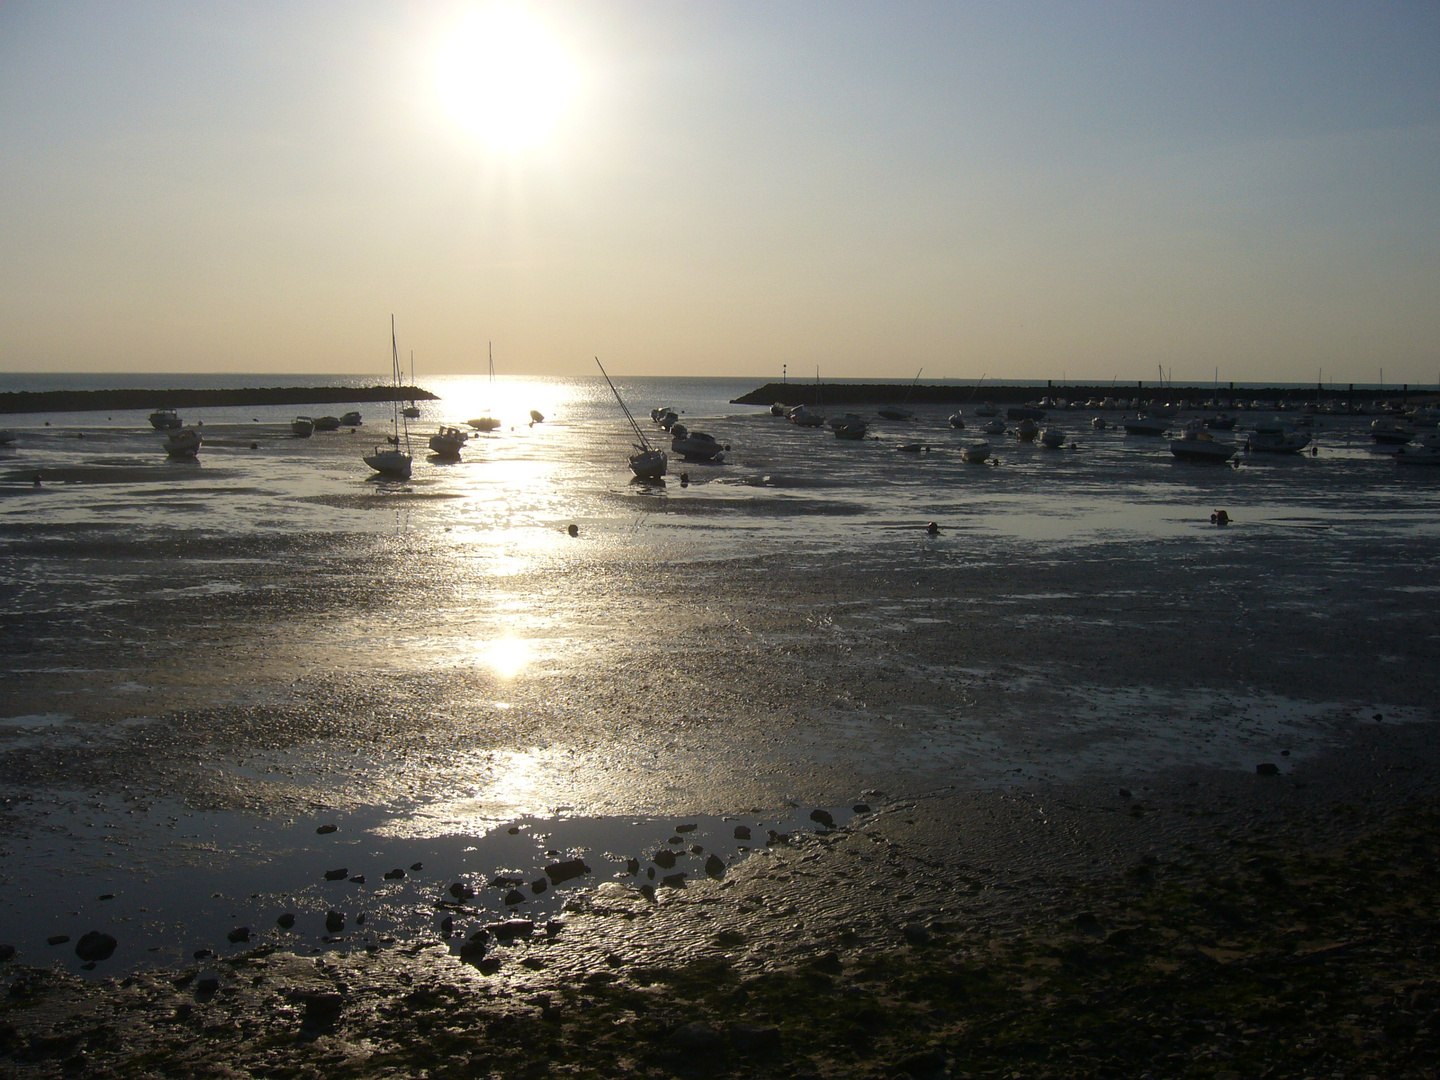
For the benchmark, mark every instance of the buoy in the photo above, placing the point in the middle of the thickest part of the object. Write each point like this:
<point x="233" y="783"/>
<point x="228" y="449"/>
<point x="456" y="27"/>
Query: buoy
<point x="1220" y="517"/>
<point x="932" y="528"/>
<point x="254" y="446"/>
<point x="573" y="530"/>
<point x="684" y="479"/>
<point x="37" y="479"/>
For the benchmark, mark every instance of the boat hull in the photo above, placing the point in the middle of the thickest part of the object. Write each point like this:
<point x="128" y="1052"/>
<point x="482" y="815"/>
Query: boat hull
<point x="649" y="464"/>
<point x="392" y="463"/>
<point x="1199" y="450"/>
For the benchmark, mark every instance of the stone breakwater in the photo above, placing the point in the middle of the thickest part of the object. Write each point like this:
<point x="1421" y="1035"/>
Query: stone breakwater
<point x="881" y="393"/>
<point x="96" y="400"/>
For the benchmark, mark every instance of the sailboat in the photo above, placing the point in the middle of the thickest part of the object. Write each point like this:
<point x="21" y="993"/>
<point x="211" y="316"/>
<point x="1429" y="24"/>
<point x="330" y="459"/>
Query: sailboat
<point x="395" y="462"/>
<point x="411" y="411"/>
<point x="647" y="463"/>
<point x="488" y="422"/>
<point x="899" y="412"/>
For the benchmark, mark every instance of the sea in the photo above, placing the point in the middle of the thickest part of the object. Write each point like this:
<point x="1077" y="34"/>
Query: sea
<point x="269" y="681"/>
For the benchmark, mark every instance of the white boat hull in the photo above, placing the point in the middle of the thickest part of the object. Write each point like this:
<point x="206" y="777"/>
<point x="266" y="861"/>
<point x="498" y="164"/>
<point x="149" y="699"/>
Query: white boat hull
<point x="393" y="463"/>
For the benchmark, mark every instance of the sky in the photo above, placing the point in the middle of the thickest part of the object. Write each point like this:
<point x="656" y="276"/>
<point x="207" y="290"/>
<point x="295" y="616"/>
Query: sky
<point x="1248" y="191"/>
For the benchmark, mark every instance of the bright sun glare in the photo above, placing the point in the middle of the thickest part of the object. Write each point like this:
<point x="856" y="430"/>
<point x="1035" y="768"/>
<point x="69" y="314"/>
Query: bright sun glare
<point x="504" y="78"/>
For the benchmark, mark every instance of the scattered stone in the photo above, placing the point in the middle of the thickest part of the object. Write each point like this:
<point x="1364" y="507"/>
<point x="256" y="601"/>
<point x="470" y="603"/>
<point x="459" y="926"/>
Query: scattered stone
<point x="7" y="952"/>
<point x="501" y="882"/>
<point x="207" y="986"/>
<point x="696" y="1037"/>
<point x="322" y="1007"/>
<point x="394" y="875"/>
<point x="238" y="935"/>
<point x="447" y="926"/>
<point x="829" y="963"/>
<point x="201" y="954"/>
<point x="461" y="891"/>
<point x="632" y="866"/>
<point x="685" y="828"/>
<point x="1125" y="793"/>
<point x="1379" y="716"/>
<point x="334" y="922"/>
<point x="511" y="929"/>
<point x="614" y="960"/>
<point x="697" y="849"/>
<point x="823" y="818"/>
<point x="559" y="872"/>
<point x="554" y="926"/>
<point x="742" y="832"/>
<point x="664" y="858"/>
<point x="57" y="939"/>
<point x="473" y="948"/>
<point x="285" y="921"/>
<point x="106" y="896"/>
<point x="860" y="808"/>
<point x="324" y="829"/>
<point x="514" y="896"/>
<point x="416" y="867"/>
<point x="1267" y="768"/>
<point x="648" y="891"/>
<point x="95" y="946"/>
<point x="534" y="963"/>
<point x="916" y="933"/>
<point x="752" y="1040"/>
<point x="715" y="867"/>
<point x="539" y="885"/>
<point x="358" y="879"/>
<point x="360" y="919"/>
<point x="674" y="881"/>
<point x="337" y="875"/>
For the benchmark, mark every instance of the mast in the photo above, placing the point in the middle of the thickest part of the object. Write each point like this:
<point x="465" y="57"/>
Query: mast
<point x="644" y="442"/>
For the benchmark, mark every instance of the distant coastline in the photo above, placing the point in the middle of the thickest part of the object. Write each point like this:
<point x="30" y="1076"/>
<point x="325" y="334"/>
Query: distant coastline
<point x="96" y="400"/>
<point x="850" y="393"/>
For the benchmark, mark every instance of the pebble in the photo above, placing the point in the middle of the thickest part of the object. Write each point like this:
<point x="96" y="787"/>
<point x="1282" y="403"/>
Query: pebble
<point x="334" y="922"/>
<point x="238" y="935"/>
<point x="823" y="818"/>
<point x="447" y="926"/>
<point x="742" y="832"/>
<point x="664" y="858"/>
<point x="285" y="921"/>
<point x="461" y="890"/>
<point x="559" y="872"/>
<point x="337" y="875"/>
<point x="416" y="867"/>
<point x="394" y="875"/>
<point x="715" y="866"/>
<point x="57" y="939"/>
<point x="916" y="933"/>
<point x="514" y="896"/>
<point x="539" y="885"/>
<point x="95" y="946"/>
<point x="511" y="929"/>
<point x="1267" y="768"/>
<point x="323" y="829"/>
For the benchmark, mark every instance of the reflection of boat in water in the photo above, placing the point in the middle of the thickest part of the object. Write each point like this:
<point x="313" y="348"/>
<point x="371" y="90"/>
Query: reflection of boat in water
<point x="1146" y="425"/>
<point x="184" y="443"/>
<point x="1197" y="444"/>
<point x="394" y="463"/>
<point x="327" y="423"/>
<point x="647" y="463"/>
<point x="164" y="419"/>
<point x="977" y="453"/>
<point x="448" y="442"/>
<point x="697" y="446"/>
<point x="351" y="419"/>
<point x="1276" y="437"/>
<point x="1053" y="437"/>
<point x="302" y="426"/>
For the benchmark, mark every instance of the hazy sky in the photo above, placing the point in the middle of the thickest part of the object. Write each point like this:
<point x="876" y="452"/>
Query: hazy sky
<point x="1027" y="190"/>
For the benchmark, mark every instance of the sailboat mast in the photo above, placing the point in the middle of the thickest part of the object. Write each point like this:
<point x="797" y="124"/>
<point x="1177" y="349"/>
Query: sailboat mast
<point x="644" y="442"/>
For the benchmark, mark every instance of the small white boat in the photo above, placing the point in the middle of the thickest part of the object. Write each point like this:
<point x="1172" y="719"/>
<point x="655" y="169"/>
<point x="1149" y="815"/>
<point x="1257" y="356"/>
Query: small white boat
<point x="777" y="409"/>
<point x="977" y="453"/>
<point x="995" y="427"/>
<point x="1053" y="437"/>
<point x="448" y="442"/>
<point x="987" y="410"/>
<point x="1197" y="444"/>
<point x="164" y="420"/>
<point x="302" y="426"/>
<point x="1146" y="425"/>
<point x="184" y="443"/>
<point x="1276" y="437"/>
<point x="1027" y="429"/>
<point x="805" y="416"/>
<point x="327" y="423"/>
<point x="392" y="463"/>
<point x="957" y="421"/>
<point x="351" y="419"/>
<point x="1099" y="423"/>
<point x="697" y="446"/>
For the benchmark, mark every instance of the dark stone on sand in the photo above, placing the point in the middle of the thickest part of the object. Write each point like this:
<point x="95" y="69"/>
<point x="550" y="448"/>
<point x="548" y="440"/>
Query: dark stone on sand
<point x="697" y="849"/>
<point x="554" y="926"/>
<point x="674" y="881"/>
<point x="861" y="808"/>
<point x="916" y="933"/>
<point x="7" y="952"/>
<point x="239" y="934"/>
<point x="752" y="1040"/>
<point x="647" y="891"/>
<point x="473" y="948"/>
<point x="715" y="866"/>
<point x="511" y="929"/>
<point x="1087" y="923"/>
<point x="514" y="896"/>
<point x="334" y="922"/>
<point x="106" y="896"/>
<point x="207" y="986"/>
<point x="358" y="879"/>
<point x="322" y="1007"/>
<point x="632" y="866"/>
<point x="461" y="891"/>
<point x="742" y="832"/>
<point x="416" y="867"/>
<point x="57" y="939"/>
<point x="564" y="871"/>
<point x="95" y="946"/>
<point x="696" y="1037"/>
<point x="1124" y="793"/>
<point x="823" y="818"/>
<point x="685" y="828"/>
<point x="447" y="926"/>
<point x="664" y="858"/>
<point x="504" y="882"/>
<point x="394" y="875"/>
<point x="285" y="921"/>
<point x="337" y="875"/>
<point x="927" y="1066"/>
<point x="829" y="963"/>
<point x="360" y="919"/>
<point x="1267" y="768"/>
<point x="323" y="829"/>
<point x="200" y="954"/>
<point x="539" y="885"/>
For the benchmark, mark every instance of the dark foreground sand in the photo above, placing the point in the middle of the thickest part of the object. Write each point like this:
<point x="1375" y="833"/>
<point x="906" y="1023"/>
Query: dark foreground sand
<point x="1215" y="925"/>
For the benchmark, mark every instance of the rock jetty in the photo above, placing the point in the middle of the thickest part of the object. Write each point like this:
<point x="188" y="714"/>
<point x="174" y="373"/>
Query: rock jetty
<point x="96" y="400"/>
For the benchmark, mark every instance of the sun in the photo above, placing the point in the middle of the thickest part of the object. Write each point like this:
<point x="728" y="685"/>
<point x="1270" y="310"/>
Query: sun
<point x="501" y="76"/>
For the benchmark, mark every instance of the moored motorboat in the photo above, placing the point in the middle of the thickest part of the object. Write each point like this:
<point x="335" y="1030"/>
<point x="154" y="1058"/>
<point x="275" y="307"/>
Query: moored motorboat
<point x="804" y="416"/>
<point x="183" y="443"/>
<point x="995" y="427"/>
<point x="164" y="419"/>
<point x="1276" y="437"/>
<point x="1145" y="425"/>
<point x="697" y="446"/>
<point x="302" y="426"/>
<point x="778" y="410"/>
<point x="1424" y="454"/>
<point x="351" y="419"/>
<point x="894" y="412"/>
<point x="536" y="416"/>
<point x="850" y="426"/>
<point x="484" y="423"/>
<point x="1197" y="444"/>
<point x="977" y="452"/>
<point x="448" y="442"/>
<point x="988" y="410"/>
<point x="1390" y="432"/>
<point x="410" y="412"/>
<point x="327" y="423"/>
<point x="957" y="421"/>
<point x="1053" y="437"/>
<point x="1027" y="429"/>
<point x="1099" y="423"/>
<point x="1220" y="422"/>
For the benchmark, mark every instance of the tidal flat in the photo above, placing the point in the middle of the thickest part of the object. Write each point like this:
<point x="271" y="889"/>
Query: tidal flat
<point x="1000" y="784"/>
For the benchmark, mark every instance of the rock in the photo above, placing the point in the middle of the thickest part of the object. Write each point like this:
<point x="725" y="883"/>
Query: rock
<point x="503" y="882"/>
<point x="323" y="829"/>
<point x="322" y="1007"/>
<point x="394" y="875"/>
<point x="106" y="896"/>
<point x="7" y="952"/>
<point x="1087" y="923"/>
<point x="334" y="922"/>
<point x="829" y="963"/>
<point x="207" y="986"/>
<point x="632" y="866"/>
<point x="95" y="946"/>
<point x="473" y="948"/>
<point x="285" y="921"/>
<point x="664" y="858"/>
<point x="461" y="891"/>
<point x="511" y="929"/>
<point x="360" y="919"/>
<point x="559" y="872"/>
<point x="742" y="832"/>
<point x="337" y="875"/>
<point x="200" y="954"/>
<point x="447" y="926"/>
<point x="674" y="881"/>
<point x="57" y="939"/>
<point x="1267" y="768"/>
<point x="823" y="818"/>
<point x="358" y="879"/>
<point x="648" y="891"/>
<point x="697" y="1037"/>
<point x="916" y="933"/>
<point x="554" y="926"/>
<point x="927" y="1066"/>
<point x="752" y="1040"/>
<point x="697" y="849"/>
<point x="416" y="867"/>
<point x="1124" y="793"/>
<point x="514" y="896"/>
<point x="685" y="828"/>
<point x="238" y="935"/>
<point x="539" y="885"/>
<point x="861" y="808"/>
<point x="715" y="867"/>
